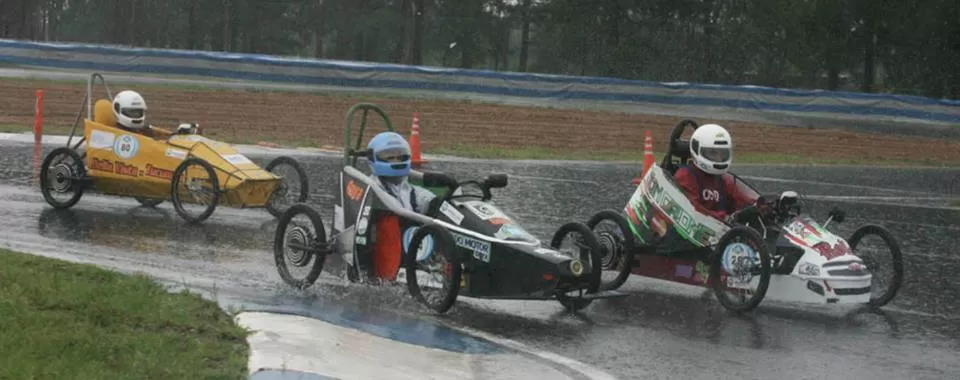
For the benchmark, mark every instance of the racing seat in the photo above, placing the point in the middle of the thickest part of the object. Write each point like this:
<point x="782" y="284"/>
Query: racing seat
<point x="103" y="113"/>
<point x="680" y="149"/>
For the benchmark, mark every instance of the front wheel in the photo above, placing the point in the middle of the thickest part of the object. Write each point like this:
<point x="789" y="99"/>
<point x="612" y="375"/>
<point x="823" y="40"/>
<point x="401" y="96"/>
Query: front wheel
<point x="583" y="245"/>
<point x="294" y="186"/>
<point x="61" y="178"/>
<point x="740" y="265"/>
<point x="888" y="287"/>
<point x="616" y="244"/>
<point x="300" y="246"/>
<point x="433" y="252"/>
<point x="197" y="180"/>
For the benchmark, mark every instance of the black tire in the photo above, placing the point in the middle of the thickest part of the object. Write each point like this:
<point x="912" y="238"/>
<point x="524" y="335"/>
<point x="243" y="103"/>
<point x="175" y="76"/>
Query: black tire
<point x="752" y="238"/>
<point x="593" y="256"/>
<point x="302" y="178"/>
<point x="446" y="246"/>
<point x="148" y="202"/>
<point x="175" y="195"/>
<point x="619" y="249"/>
<point x="897" y="259"/>
<point x="74" y="167"/>
<point x="312" y="247"/>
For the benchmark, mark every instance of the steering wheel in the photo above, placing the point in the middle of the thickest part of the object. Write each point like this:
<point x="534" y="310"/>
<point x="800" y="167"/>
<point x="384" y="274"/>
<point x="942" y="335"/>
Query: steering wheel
<point x="484" y="197"/>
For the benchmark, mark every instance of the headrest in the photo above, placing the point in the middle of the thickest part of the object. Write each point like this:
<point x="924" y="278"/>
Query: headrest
<point x="103" y="113"/>
<point x="680" y="148"/>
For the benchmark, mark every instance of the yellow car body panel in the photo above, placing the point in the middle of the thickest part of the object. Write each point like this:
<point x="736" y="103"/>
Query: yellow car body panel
<point x="131" y="164"/>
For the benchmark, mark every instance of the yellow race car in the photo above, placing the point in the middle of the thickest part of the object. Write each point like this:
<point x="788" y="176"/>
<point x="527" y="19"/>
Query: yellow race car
<point x="194" y="172"/>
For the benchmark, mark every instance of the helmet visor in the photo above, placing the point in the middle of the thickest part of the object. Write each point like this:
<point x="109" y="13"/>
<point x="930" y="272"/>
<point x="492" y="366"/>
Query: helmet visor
<point x="133" y="113"/>
<point x="393" y="155"/>
<point x="715" y="154"/>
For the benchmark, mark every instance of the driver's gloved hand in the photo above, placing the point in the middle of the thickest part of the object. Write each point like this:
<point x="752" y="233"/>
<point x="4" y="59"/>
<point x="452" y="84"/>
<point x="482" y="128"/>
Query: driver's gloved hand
<point x="187" y="128"/>
<point x="729" y="219"/>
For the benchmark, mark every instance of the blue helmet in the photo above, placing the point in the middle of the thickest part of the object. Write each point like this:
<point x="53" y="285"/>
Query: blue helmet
<point x="389" y="155"/>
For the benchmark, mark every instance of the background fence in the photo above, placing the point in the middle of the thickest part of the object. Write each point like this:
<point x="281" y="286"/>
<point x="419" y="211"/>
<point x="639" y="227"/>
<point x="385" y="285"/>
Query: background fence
<point x="686" y="97"/>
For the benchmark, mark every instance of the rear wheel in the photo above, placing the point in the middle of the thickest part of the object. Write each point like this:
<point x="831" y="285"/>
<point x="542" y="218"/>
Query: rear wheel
<point x="299" y="246"/>
<point x="433" y="268"/>
<point x="195" y="183"/>
<point x="616" y="247"/>
<point x="740" y="269"/>
<point x="577" y="241"/>
<point x="881" y="257"/>
<point x="294" y="186"/>
<point x="61" y="176"/>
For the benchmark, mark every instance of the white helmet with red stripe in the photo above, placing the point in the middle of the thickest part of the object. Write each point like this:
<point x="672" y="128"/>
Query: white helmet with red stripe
<point x="712" y="148"/>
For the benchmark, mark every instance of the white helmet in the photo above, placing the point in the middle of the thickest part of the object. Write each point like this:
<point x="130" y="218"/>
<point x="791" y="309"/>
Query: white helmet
<point x="712" y="148"/>
<point x="130" y="109"/>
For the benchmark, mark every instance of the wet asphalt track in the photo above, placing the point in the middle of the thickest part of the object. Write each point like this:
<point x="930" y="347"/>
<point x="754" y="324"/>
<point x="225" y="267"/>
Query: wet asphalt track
<point x="661" y="331"/>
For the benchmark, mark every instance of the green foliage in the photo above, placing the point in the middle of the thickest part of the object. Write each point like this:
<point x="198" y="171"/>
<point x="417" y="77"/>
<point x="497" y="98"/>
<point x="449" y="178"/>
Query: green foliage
<point x="902" y="46"/>
<point x="64" y="320"/>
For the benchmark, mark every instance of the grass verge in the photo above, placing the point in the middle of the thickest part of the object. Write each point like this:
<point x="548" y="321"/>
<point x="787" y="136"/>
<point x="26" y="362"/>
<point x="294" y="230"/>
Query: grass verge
<point x="538" y="153"/>
<point x="65" y="320"/>
<point x="955" y="202"/>
<point x="117" y="82"/>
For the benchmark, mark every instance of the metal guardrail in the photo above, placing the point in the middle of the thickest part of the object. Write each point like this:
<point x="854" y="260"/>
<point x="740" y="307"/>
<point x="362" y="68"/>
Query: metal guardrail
<point x="291" y="70"/>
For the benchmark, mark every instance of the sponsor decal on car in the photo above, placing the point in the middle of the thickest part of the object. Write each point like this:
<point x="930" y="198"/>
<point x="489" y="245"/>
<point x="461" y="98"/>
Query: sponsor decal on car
<point x="102" y="139"/>
<point x="102" y="165"/>
<point x="362" y="225"/>
<point x="653" y="194"/>
<point x="485" y="211"/>
<point x="507" y="231"/>
<point x="354" y="191"/>
<point x="153" y="171"/>
<point x="738" y="259"/>
<point x="236" y="159"/>
<point x="176" y="153"/>
<point x="480" y="248"/>
<point x="338" y="218"/>
<point x="126" y="146"/>
<point x="451" y="212"/>
<point x="115" y="167"/>
<point x="127" y="170"/>
<point x="702" y="272"/>
<point x="426" y="245"/>
<point x="545" y="251"/>
<point x="808" y="269"/>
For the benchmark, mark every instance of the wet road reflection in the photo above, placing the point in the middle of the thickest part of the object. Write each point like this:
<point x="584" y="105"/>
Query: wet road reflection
<point x="661" y="329"/>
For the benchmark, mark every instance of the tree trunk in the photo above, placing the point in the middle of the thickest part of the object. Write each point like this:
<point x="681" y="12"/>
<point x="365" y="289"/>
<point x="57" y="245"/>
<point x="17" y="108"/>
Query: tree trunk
<point x="192" y="26"/>
<point x="613" y="39"/>
<point x="401" y="52"/>
<point x="524" y="35"/>
<point x="318" y="30"/>
<point x="416" y="48"/>
<point x="869" y="53"/>
<point x="132" y="36"/>
<point x="505" y="46"/>
<point x="24" y="20"/>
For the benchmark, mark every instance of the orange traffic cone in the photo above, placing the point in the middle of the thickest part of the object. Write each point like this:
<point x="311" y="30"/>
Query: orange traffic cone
<point x="417" y="159"/>
<point x="647" y="157"/>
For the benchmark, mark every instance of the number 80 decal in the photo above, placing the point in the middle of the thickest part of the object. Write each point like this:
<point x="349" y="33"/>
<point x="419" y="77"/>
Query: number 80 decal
<point x="126" y="146"/>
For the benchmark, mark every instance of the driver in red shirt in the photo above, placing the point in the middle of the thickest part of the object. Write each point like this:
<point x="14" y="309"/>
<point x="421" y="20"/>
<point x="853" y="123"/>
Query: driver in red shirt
<point x="706" y="183"/>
